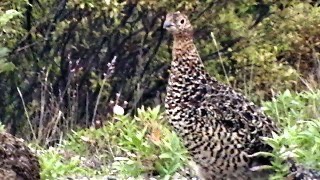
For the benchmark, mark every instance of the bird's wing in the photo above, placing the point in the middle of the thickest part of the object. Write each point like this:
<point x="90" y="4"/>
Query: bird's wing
<point x="237" y="114"/>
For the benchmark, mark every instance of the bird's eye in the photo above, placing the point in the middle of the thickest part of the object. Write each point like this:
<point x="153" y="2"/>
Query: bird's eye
<point x="181" y="21"/>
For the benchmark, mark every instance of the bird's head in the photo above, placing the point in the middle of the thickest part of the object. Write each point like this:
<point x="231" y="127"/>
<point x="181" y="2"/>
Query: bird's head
<point x="177" y="23"/>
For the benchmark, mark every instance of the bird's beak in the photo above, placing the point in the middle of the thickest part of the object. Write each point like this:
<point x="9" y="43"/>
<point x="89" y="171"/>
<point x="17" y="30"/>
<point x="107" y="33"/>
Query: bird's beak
<point x="167" y="24"/>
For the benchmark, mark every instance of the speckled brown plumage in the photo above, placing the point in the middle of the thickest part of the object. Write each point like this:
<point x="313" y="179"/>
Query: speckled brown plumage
<point x="17" y="162"/>
<point x="220" y="127"/>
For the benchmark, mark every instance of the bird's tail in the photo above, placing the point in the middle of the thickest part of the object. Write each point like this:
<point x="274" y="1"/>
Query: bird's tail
<point x="299" y="172"/>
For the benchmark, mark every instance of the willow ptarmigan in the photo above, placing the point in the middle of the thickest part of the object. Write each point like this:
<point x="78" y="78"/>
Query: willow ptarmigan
<point x="17" y="162"/>
<point x="221" y="129"/>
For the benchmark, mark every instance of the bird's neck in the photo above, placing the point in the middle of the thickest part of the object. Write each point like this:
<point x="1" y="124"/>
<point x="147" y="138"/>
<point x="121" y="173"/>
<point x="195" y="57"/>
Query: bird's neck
<point x="186" y="83"/>
<point x="186" y="59"/>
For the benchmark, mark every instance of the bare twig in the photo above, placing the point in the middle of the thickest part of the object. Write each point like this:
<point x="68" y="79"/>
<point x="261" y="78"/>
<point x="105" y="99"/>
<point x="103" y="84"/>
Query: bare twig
<point x="106" y="77"/>
<point x="26" y="113"/>
<point x="220" y="58"/>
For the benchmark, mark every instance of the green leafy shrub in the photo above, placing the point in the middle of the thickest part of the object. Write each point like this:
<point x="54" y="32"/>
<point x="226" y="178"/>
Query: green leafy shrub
<point x="55" y="165"/>
<point x="289" y="107"/>
<point x="298" y="114"/>
<point x="5" y="17"/>
<point x="278" y="53"/>
<point x="130" y="146"/>
<point x="150" y="146"/>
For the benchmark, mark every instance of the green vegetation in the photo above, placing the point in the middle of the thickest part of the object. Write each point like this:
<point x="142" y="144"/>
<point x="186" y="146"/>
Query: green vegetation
<point x="299" y="115"/>
<point x="132" y="147"/>
<point x="63" y="62"/>
<point x="143" y="146"/>
<point x="5" y="17"/>
<point x="55" y="165"/>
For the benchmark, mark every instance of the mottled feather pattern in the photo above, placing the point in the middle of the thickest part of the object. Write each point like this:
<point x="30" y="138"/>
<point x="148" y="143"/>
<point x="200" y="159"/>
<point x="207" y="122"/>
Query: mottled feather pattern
<point x="219" y="126"/>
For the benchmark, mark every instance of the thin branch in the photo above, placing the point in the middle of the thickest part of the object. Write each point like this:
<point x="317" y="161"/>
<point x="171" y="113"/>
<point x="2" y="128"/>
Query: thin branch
<point x="106" y="77"/>
<point x="26" y="113"/>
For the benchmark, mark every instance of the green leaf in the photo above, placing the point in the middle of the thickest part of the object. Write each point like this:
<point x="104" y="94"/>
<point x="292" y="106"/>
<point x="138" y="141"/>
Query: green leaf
<point x="6" y="66"/>
<point x="7" y="16"/>
<point x="3" y="52"/>
<point x="165" y="156"/>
